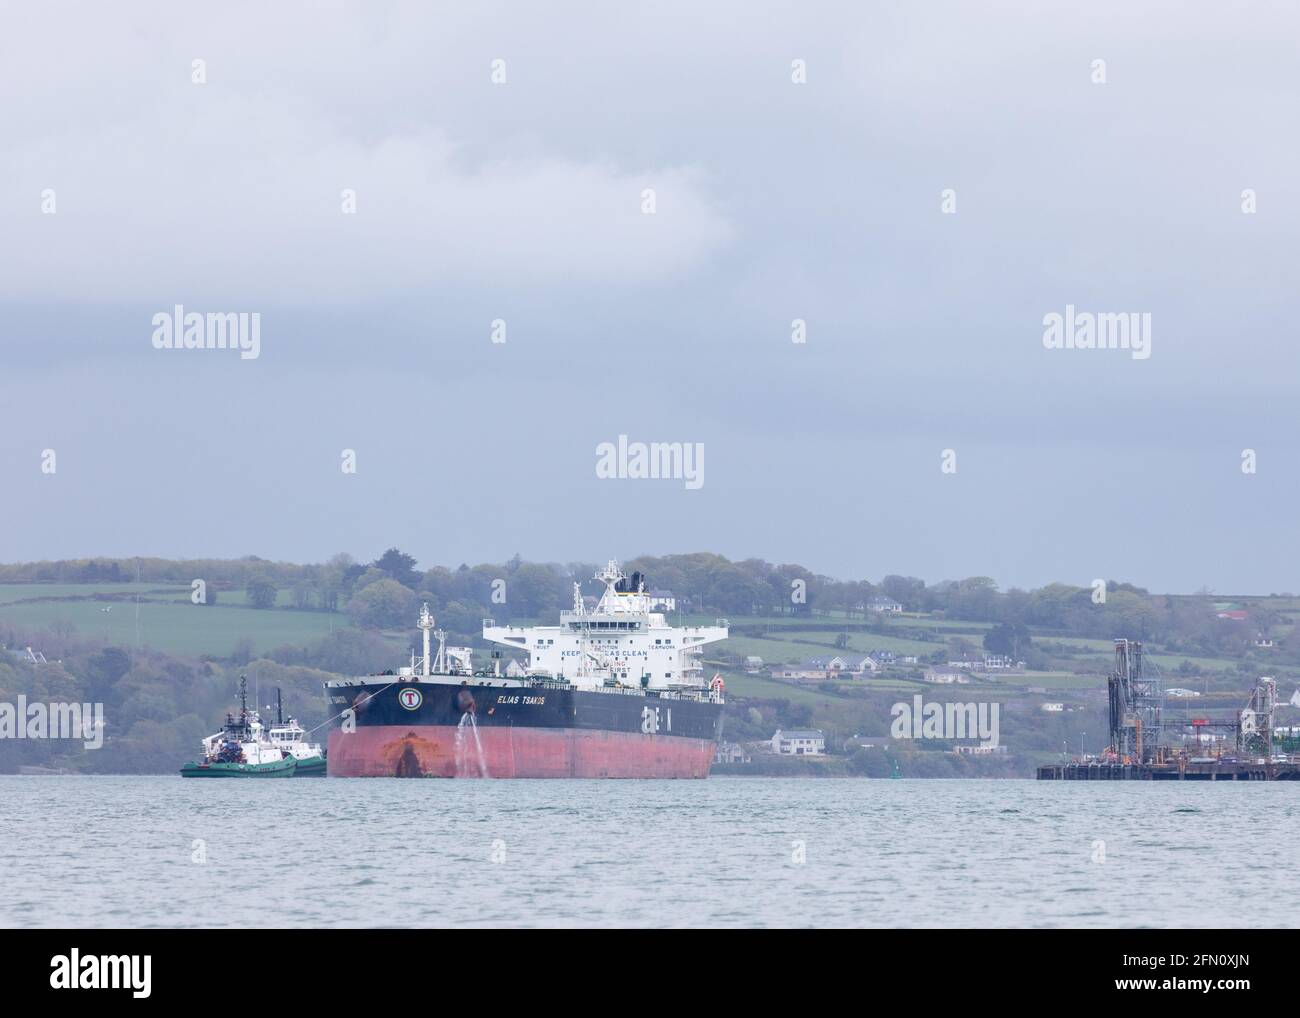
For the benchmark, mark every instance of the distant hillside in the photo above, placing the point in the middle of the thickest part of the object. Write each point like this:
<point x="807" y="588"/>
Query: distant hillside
<point x="161" y="643"/>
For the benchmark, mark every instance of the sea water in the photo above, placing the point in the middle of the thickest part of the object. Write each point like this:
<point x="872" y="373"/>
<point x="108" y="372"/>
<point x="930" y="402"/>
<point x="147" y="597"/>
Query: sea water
<point x="726" y="852"/>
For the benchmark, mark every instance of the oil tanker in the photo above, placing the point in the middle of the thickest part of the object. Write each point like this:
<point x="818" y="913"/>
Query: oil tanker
<point x="611" y="692"/>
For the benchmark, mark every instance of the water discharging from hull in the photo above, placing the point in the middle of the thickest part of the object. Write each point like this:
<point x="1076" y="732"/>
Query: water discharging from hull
<point x="462" y="766"/>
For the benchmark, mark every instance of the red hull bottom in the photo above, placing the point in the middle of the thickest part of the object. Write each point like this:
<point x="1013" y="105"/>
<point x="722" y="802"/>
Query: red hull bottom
<point x="440" y="751"/>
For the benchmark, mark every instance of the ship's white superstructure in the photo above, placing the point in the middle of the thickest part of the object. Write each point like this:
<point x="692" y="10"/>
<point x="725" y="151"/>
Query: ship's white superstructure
<point x="291" y="739"/>
<point x="620" y="641"/>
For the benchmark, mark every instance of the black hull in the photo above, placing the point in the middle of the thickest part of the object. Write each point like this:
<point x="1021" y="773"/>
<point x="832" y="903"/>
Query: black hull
<point x="486" y="729"/>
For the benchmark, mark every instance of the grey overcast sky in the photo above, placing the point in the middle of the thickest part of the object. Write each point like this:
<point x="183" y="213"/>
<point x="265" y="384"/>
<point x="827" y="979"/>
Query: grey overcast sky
<point x="774" y="200"/>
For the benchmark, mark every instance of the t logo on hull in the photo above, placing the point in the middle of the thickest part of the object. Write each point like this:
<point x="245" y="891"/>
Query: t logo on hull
<point x="410" y="698"/>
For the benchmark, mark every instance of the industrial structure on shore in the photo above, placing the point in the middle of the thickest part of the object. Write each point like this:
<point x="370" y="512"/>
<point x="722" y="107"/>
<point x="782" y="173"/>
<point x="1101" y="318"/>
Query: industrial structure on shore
<point x="1149" y="740"/>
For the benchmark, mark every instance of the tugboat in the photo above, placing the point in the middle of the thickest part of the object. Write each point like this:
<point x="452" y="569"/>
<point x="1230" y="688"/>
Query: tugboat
<point x="290" y="738"/>
<point x="241" y="749"/>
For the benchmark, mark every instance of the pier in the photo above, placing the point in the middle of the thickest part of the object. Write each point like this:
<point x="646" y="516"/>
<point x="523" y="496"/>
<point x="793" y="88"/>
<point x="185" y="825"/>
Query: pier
<point x="1176" y="770"/>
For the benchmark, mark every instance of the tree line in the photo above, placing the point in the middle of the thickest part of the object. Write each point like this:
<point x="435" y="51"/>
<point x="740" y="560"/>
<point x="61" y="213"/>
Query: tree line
<point x="387" y="592"/>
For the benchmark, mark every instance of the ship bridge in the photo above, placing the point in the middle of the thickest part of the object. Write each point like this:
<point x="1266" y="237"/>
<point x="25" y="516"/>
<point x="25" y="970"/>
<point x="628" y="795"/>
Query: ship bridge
<point x="619" y="642"/>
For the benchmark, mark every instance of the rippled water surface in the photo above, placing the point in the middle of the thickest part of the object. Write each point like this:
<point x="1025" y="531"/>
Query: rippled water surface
<point x="120" y="851"/>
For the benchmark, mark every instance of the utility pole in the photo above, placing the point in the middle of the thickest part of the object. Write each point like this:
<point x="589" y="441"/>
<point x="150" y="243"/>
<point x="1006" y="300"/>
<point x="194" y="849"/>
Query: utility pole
<point x="137" y="603"/>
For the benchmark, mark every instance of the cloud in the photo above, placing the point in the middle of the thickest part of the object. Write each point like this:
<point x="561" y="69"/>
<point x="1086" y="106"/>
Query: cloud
<point x="241" y="202"/>
<point x="233" y="189"/>
<point x="774" y="201"/>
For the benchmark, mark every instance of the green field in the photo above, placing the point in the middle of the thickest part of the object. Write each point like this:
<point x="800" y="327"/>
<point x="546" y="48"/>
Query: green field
<point x="114" y="592"/>
<point x="1104" y="655"/>
<point x="177" y="627"/>
<point x="890" y="684"/>
<point x="940" y="625"/>
<point x="169" y="622"/>
<point x="777" y="651"/>
<point x="10" y="592"/>
<point x="760" y="687"/>
<point x="1053" y="680"/>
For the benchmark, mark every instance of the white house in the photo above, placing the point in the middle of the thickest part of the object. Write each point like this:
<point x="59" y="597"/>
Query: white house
<point x="662" y="601"/>
<point x="753" y="664"/>
<point x="813" y="669"/>
<point x="799" y="743"/>
<point x="991" y="663"/>
<point x="1052" y="708"/>
<point x="821" y="668"/>
<point x="801" y="672"/>
<point x="945" y="678"/>
<point x="886" y="605"/>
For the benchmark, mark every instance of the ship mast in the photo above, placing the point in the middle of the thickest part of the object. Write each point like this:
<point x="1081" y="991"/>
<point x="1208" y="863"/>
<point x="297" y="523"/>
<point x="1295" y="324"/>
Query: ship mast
<point x="426" y="626"/>
<point x="580" y="612"/>
<point x="439" y="663"/>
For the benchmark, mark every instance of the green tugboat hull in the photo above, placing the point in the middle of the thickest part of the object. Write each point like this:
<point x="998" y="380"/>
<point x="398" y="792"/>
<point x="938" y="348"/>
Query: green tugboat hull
<point x="279" y="769"/>
<point x="310" y="767"/>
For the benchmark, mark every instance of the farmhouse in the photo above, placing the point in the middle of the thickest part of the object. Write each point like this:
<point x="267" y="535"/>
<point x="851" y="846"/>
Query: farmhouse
<point x="799" y="743"/>
<point x="805" y="671"/>
<point x="990" y="663"/>
<point x="819" y="669"/>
